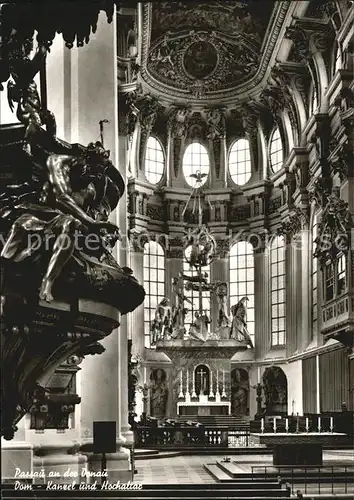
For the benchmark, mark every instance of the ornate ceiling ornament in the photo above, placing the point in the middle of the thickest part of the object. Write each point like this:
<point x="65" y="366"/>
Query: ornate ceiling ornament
<point x="202" y="62"/>
<point x="333" y="229"/>
<point x="200" y="51"/>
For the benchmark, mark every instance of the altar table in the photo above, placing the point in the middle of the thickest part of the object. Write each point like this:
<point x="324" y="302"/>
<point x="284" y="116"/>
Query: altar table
<point x="203" y="409"/>
<point x="298" y="449"/>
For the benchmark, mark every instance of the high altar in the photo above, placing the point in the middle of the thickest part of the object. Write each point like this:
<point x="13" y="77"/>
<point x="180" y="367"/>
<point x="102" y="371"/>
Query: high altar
<point x="201" y="358"/>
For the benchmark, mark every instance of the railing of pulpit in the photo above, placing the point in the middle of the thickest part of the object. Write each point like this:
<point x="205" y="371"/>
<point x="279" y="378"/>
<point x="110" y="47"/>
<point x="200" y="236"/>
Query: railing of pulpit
<point x="310" y="479"/>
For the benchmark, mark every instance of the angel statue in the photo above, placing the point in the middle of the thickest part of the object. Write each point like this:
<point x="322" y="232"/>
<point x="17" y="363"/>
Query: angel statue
<point x="239" y="325"/>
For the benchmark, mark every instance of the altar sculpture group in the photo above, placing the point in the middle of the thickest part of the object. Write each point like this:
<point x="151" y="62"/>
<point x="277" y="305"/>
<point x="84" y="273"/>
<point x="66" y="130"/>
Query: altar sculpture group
<point x="168" y="323"/>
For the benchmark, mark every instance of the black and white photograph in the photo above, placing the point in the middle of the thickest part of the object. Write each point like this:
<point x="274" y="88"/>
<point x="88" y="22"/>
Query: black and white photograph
<point x="177" y="249"/>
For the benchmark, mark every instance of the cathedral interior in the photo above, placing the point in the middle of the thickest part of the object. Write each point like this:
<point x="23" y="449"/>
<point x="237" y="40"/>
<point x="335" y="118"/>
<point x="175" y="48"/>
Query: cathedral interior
<point x="177" y="239"/>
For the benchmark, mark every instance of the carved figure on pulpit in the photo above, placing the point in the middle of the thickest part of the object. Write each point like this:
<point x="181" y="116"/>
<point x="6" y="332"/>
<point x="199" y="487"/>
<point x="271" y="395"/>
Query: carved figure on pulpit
<point x="158" y="394"/>
<point x="239" y="392"/>
<point x="22" y="89"/>
<point x="74" y="198"/>
<point x="162" y="324"/>
<point x="239" y="325"/>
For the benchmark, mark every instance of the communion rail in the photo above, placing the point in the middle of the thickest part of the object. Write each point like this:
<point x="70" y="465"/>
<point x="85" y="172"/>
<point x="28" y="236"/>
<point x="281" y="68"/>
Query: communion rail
<point x="161" y="437"/>
<point x="334" y="479"/>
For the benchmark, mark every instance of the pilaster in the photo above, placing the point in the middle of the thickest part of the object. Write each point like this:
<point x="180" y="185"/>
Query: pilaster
<point x="261" y="299"/>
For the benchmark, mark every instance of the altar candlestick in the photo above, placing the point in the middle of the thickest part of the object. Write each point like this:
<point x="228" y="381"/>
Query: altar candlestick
<point x="319" y="424"/>
<point x="331" y="424"/>
<point x="223" y="394"/>
<point x="297" y="423"/>
<point x="211" y="394"/>
<point x="217" y="383"/>
<point x="275" y="425"/>
<point x="307" y="424"/>
<point x="144" y="374"/>
<point x="187" y="383"/>
<point x="286" y="425"/>
<point x="181" y="385"/>
<point x="194" y="395"/>
<point x="262" y="425"/>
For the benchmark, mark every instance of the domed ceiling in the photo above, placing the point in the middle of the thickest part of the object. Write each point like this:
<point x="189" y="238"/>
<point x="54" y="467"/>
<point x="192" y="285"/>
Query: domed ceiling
<point x="204" y="50"/>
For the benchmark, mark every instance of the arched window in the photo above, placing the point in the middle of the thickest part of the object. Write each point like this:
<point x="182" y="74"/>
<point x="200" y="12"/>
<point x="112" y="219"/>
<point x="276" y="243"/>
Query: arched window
<point x="196" y="159"/>
<point x="154" y="283"/>
<point x="240" y="162"/>
<point x="314" y="278"/>
<point x="154" y="161"/>
<point x="193" y="295"/>
<point x="276" y="151"/>
<point x="278" y="299"/>
<point x="242" y="279"/>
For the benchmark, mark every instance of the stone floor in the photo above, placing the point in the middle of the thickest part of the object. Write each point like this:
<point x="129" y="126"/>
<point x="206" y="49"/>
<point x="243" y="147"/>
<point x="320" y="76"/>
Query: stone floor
<point x="189" y="468"/>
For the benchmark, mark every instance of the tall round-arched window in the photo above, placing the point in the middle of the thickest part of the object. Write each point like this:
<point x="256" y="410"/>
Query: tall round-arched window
<point x="276" y="151"/>
<point x="240" y="162"/>
<point x="154" y="161"/>
<point x="196" y="163"/>
<point x="154" y="283"/>
<point x="277" y="284"/>
<point x="242" y="279"/>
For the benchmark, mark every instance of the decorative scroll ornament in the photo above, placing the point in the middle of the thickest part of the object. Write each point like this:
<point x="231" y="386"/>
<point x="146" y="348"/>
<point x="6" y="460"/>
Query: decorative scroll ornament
<point x="216" y="124"/>
<point x="250" y="125"/>
<point x="296" y="221"/>
<point x="301" y="42"/>
<point x="144" y="109"/>
<point x="333" y="229"/>
<point x="178" y="122"/>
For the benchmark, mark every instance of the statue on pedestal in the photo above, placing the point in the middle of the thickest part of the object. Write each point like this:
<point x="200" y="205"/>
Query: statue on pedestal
<point x="239" y="392"/>
<point x="162" y="325"/>
<point x="239" y="326"/>
<point x="158" y="394"/>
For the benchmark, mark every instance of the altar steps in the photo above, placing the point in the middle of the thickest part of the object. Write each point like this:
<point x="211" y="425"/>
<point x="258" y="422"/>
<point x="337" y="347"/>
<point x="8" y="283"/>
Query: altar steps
<point x="230" y="472"/>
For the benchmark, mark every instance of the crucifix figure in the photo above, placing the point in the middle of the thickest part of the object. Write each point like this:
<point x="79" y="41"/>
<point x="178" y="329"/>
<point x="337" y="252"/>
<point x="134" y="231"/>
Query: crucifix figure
<point x="203" y="381"/>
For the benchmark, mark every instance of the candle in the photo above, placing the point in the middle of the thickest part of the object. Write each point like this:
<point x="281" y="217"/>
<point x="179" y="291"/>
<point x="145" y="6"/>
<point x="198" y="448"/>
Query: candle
<point x="275" y="425"/>
<point x="286" y="425"/>
<point x="262" y="425"/>
<point x="217" y="381"/>
<point x="319" y="424"/>
<point x="144" y="374"/>
<point x="307" y="423"/>
<point x="331" y="424"/>
<point x="187" y="383"/>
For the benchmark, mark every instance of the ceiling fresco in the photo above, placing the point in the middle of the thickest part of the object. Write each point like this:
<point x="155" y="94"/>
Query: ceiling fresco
<point x="202" y="48"/>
